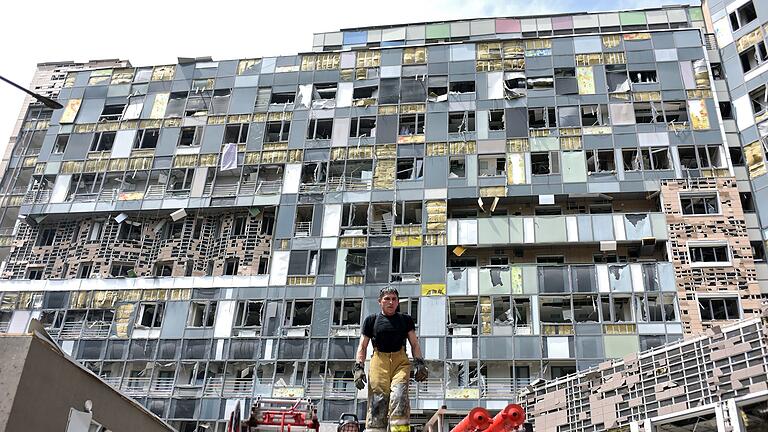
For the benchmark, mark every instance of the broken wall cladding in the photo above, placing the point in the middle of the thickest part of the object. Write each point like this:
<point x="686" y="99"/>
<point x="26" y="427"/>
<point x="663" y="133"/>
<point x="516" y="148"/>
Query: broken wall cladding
<point x="724" y="363"/>
<point x="727" y="228"/>
<point x="97" y="241"/>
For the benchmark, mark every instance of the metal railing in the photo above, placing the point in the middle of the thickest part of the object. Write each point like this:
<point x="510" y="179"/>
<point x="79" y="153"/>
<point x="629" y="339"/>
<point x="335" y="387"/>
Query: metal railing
<point x="340" y="388"/>
<point x="162" y="387"/>
<point x="84" y="197"/>
<point x="96" y="329"/>
<point x="271" y="187"/>
<point x="71" y="330"/>
<point x="710" y="41"/>
<point x="213" y="386"/>
<point x="303" y="229"/>
<point x="350" y="184"/>
<point x="135" y="386"/>
<point x="503" y="387"/>
<point x="312" y="187"/>
<point x="225" y="190"/>
<point x="156" y="191"/>
<point x="111" y="381"/>
<point x="39" y="196"/>
<point x="4" y="325"/>
<point x="237" y="387"/>
<point x="380" y="227"/>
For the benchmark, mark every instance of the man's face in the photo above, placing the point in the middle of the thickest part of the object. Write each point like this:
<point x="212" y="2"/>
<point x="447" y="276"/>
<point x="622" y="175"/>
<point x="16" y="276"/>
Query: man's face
<point x="389" y="303"/>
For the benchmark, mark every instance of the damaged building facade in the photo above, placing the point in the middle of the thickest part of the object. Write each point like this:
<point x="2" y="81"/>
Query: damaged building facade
<point x="545" y="192"/>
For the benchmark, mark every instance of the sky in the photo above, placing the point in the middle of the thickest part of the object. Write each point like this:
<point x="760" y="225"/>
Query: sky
<point x="159" y="31"/>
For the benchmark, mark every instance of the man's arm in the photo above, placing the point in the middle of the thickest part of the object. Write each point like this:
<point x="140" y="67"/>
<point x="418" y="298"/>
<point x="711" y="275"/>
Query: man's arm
<point x="362" y="348"/>
<point x="415" y="347"/>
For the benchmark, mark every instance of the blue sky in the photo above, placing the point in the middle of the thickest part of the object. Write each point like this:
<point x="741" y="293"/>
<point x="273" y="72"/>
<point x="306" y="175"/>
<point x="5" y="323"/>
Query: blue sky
<point x="158" y="31"/>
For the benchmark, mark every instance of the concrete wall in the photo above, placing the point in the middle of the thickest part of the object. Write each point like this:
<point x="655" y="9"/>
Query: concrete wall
<point x="51" y="384"/>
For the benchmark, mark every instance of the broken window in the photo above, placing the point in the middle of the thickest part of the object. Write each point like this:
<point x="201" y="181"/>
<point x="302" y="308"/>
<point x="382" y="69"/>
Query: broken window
<point x="621" y="310"/>
<point x="362" y="127"/>
<point x="411" y="124"/>
<point x="277" y="131"/>
<point x="594" y="115"/>
<point x="758" y="250"/>
<point x="514" y="85"/>
<point x="437" y="88"/>
<point x="543" y="163"/>
<point x="675" y="112"/>
<point x="555" y="310"/>
<point x="302" y="263"/>
<point x="462" y="316"/>
<point x="459" y="122"/>
<point x="618" y="80"/>
<point x="112" y="113"/>
<point x="410" y="168"/>
<point x="61" y="143"/>
<point x="190" y="136"/>
<point x="699" y="204"/>
<point x="303" y="224"/>
<point x="129" y="231"/>
<point x="176" y="103"/>
<point x="643" y="76"/>
<point x="542" y="118"/>
<point x="146" y="139"/>
<point x="163" y="269"/>
<point x="495" y="120"/>
<point x="230" y="266"/>
<point x="366" y="93"/>
<point x="462" y="87"/>
<point x="298" y="313"/>
<point x="354" y="216"/>
<point x="709" y="254"/>
<point x="540" y="83"/>
<point x="585" y="309"/>
<point x="702" y="156"/>
<point x="346" y="312"/>
<point x="46" y="237"/>
<point x="283" y="98"/>
<point x="406" y="264"/>
<point x="202" y="313"/>
<point x="408" y="212"/>
<point x="646" y="112"/>
<point x="724" y="308"/>
<point x="121" y="270"/>
<point x="103" y="141"/>
<point x="491" y="165"/>
<point x="600" y="161"/>
<point x="753" y="56"/>
<point x="324" y="92"/>
<point x="249" y="313"/>
<point x="236" y="133"/>
<point x="743" y="15"/>
<point x="565" y="81"/>
<point x="239" y="226"/>
<point x="320" y="129"/>
<point x="759" y="100"/>
<point x="151" y="314"/>
<point x="646" y="158"/>
<point x="457" y="167"/>
<point x="180" y="179"/>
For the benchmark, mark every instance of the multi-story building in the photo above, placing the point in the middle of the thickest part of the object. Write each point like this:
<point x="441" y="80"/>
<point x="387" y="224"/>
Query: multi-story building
<point x="545" y="192"/>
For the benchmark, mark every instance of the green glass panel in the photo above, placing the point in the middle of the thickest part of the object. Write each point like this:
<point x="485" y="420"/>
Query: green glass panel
<point x="438" y="31"/>
<point x="632" y="18"/>
<point x="620" y="345"/>
<point x="695" y="14"/>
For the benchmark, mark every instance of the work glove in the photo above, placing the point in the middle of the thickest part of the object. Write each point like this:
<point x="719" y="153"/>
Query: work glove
<point x="359" y="373"/>
<point x="420" y="372"/>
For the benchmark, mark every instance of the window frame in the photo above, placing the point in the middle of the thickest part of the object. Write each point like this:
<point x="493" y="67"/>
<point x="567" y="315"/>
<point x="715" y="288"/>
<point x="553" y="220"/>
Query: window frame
<point x="702" y="195"/>
<point x="709" y="244"/>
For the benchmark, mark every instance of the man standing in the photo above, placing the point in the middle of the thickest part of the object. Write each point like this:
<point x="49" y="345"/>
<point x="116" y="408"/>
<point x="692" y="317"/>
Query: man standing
<point x="390" y="368"/>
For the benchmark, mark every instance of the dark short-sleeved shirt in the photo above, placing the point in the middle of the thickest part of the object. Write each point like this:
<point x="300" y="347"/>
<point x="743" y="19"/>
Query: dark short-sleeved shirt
<point x="388" y="333"/>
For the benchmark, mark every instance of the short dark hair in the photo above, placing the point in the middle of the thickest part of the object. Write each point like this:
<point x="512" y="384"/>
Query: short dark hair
<point x="388" y="290"/>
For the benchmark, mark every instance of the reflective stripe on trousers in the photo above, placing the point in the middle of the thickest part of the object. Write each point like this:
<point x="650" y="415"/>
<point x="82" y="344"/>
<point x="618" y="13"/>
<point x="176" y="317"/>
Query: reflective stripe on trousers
<point x="388" y="403"/>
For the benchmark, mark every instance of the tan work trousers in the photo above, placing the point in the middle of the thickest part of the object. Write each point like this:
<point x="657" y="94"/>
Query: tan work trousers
<point x="388" y="402"/>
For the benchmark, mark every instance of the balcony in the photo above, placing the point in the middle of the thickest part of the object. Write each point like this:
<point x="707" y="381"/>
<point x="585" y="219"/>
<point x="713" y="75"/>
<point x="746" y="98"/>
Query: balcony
<point x="162" y="387"/>
<point x="71" y="330"/>
<point x="505" y="230"/>
<point x="135" y="386"/>
<point x="40" y="196"/>
<point x="96" y="330"/>
<point x="552" y="279"/>
<point x="506" y="388"/>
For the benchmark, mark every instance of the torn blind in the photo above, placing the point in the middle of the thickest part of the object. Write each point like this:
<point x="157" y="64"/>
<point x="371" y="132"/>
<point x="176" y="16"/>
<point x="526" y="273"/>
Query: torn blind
<point x="698" y="112"/>
<point x="229" y="157"/>
<point x="159" y="105"/>
<point x="586" y="79"/>
<point x="70" y="111"/>
<point x="516" y="168"/>
<point x="133" y="110"/>
<point x="753" y="153"/>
